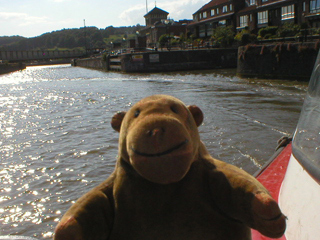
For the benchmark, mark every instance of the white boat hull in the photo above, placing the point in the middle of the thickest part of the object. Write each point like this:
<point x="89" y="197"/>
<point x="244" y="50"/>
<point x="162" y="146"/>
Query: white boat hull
<point x="300" y="200"/>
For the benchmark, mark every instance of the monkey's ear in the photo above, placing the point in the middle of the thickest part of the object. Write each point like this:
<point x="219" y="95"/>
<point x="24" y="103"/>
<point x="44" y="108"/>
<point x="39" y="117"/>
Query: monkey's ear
<point x="117" y="120"/>
<point x="196" y="113"/>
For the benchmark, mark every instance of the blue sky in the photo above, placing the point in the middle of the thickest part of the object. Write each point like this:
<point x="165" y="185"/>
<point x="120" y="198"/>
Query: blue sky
<point x="30" y="18"/>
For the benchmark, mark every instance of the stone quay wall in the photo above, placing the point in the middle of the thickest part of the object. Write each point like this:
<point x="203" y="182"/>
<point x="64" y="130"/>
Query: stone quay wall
<point x="280" y="61"/>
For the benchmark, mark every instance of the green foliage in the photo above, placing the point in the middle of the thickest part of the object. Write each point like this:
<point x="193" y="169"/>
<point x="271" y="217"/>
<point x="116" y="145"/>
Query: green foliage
<point x="223" y="36"/>
<point x="183" y="38"/>
<point x="118" y="37"/>
<point x="268" y="36"/>
<point x="8" y="40"/>
<point x="288" y="30"/>
<point x="104" y="57"/>
<point x="245" y="37"/>
<point x="248" y="38"/>
<point x="164" y="39"/>
<point x="317" y="31"/>
<point x="175" y="42"/>
<point x="270" y="31"/>
<point x="239" y="35"/>
<point x="90" y="37"/>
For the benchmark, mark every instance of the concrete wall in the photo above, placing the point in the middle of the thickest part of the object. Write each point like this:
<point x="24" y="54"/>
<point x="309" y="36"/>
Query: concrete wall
<point x="179" y="60"/>
<point x="281" y="61"/>
<point x="167" y="61"/>
<point x="95" y="63"/>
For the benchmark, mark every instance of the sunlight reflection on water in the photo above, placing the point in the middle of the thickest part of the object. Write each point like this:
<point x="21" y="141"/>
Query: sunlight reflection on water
<point x="57" y="142"/>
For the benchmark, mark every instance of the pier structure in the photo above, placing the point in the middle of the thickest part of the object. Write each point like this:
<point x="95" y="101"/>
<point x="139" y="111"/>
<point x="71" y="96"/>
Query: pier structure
<point x="22" y="56"/>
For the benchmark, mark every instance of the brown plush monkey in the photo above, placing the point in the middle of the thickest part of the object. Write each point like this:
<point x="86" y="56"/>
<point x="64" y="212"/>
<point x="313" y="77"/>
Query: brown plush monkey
<point x="166" y="186"/>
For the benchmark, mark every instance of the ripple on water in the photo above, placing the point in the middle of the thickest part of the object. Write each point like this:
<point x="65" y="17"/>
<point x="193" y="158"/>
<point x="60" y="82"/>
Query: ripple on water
<point x="57" y="142"/>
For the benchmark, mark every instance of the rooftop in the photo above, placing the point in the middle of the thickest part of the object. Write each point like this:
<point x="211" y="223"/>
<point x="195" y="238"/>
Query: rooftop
<point x="212" y="4"/>
<point x="156" y="10"/>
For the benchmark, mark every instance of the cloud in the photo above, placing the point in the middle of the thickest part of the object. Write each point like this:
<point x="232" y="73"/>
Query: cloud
<point x="14" y="23"/>
<point x="177" y="9"/>
<point x="22" y="19"/>
<point x="133" y="15"/>
<point x="182" y="9"/>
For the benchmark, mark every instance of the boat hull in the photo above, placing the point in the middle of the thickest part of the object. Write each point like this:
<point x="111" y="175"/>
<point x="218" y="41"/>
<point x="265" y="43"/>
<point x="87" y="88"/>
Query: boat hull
<point x="272" y="177"/>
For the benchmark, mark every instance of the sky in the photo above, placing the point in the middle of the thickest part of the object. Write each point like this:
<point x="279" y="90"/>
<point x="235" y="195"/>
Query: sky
<point x="31" y="18"/>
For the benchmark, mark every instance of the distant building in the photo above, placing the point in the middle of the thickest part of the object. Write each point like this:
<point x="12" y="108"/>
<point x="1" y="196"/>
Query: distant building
<point x="158" y="24"/>
<point x="310" y="12"/>
<point x="253" y="15"/>
<point x="214" y="14"/>
<point x="155" y="15"/>
<point x="262" y="13"/>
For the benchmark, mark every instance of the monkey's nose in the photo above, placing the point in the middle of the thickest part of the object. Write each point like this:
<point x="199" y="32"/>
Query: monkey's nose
<point x="156" y="132"/>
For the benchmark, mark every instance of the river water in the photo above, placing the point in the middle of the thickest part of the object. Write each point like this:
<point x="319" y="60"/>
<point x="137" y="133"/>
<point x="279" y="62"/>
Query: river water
<point x="57" y="143"/>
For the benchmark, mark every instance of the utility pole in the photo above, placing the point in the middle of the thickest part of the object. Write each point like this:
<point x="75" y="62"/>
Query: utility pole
<point x="147" y="6"/>
<point x="85" y="35"/>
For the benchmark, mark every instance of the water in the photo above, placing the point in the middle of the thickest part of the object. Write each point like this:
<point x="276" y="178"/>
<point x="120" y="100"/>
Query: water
<point x="57" y="143"/>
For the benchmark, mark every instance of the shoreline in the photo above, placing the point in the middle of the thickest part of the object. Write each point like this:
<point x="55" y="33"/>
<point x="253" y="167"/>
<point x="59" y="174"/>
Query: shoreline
<point x="11" y="67"/>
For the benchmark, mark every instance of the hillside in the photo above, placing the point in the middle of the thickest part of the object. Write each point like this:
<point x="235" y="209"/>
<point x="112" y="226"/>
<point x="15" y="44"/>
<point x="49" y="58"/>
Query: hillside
<point x="90" y="37"/>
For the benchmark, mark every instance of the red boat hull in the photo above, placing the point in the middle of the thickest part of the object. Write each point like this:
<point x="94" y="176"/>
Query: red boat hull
<point x="272" y="177"/>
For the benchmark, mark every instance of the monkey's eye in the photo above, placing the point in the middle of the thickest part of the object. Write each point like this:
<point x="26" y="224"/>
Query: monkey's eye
<point x="137" y="113"/>
<point x="174" y="109"/>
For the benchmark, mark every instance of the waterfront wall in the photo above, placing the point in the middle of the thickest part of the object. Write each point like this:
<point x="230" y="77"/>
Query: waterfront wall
<point x="95" y="63"/>
<point x="158" y="61"/>
<point x="179" y="60"/>
<point x="281" y="61"/>
<point x="11" y="67"/>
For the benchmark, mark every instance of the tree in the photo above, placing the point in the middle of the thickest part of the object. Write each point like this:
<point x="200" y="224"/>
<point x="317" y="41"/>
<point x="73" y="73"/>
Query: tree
<point x="164" y="40"/>
<point x="110" y="30"/>
<point x="96" y="37"/>
<point x="70" y="41"/>
<point x="224" y="36"/>
<point x="245" y="37"/>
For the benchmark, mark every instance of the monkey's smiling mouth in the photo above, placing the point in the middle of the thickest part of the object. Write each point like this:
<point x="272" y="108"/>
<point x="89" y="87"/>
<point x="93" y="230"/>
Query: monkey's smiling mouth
<point x="161" y="153"/>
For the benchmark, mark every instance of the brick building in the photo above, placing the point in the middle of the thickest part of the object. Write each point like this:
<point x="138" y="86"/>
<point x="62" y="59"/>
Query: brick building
<point x="254" y="14"/>
<point x="157" y="24"/>
<point x="262" y="13"/>
<point x="214" y="14"/>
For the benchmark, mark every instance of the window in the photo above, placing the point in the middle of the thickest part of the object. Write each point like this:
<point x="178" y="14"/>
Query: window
<point x="314" y="6"/>
<point x="225" y="9"/>
<point x="262" y="17"/>
<point x="243" y="21"/>
<point x="212" y="12"/>
<point x="230" y="7"/>
<point x="204" y="14"/>
<point x="252" y="2"/>
<point x="264" y="0"/>
<point x="222" y="22"/>
<point x="287" y="12"/>
<point x="218" y="10"/>
<point x="202" y="31"/>
<point x="209" y="29"/>
<point x="304" y="7"/>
